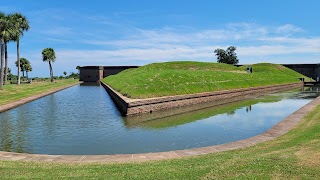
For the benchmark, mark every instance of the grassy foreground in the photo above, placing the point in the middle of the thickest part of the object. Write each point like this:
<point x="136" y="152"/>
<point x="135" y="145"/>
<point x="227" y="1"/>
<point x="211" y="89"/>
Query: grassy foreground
<point x="295" y="155"/>
<point x="175" y="78"/>
<point x="13" y="92"/>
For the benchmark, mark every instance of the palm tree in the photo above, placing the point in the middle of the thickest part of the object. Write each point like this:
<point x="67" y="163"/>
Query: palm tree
<point x="20" y="24"/>
<point x="6" y="60"/>
<point x="65" y="73"/>
<point x="24" y="65"/>
<point x="2" y="27"/>
<point x="9" y="75"/>
<point x="5" y="32"/>
<point x="49" y="55"/>
<point x="28" y="68"/>
<point x="7" y="39"/>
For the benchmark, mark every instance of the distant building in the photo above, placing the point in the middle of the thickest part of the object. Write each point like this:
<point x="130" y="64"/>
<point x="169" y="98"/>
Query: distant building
<point x="96" y="73"/>
<point x="310" y="70"/>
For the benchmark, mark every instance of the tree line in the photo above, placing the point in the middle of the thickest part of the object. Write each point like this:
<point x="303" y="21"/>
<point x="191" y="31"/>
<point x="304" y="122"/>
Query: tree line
<point x="12" y="27"/>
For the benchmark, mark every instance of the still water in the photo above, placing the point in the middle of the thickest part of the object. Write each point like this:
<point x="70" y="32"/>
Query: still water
<point x="83" y="120"/>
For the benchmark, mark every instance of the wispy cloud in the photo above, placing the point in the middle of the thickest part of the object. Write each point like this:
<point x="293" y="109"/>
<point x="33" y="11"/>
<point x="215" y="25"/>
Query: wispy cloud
<point x="108" y="40"/>
<point x="288" y="29"/>
<point x="232" y="33"/>
<point x="61" y="31"/>
<point x="252" y="41"/>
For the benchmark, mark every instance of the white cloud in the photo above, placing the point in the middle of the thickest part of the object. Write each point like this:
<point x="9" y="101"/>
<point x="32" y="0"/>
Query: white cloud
<point x="255" y="43"/>
<point x="288" y="29"/>
<point x="168" y="39"/>
<point x="252" y="41"/>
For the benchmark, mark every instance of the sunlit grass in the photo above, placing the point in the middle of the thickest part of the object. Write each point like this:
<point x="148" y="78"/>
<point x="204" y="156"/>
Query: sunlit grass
<point x="176" y="78"/>
<point x="13" y="92"/>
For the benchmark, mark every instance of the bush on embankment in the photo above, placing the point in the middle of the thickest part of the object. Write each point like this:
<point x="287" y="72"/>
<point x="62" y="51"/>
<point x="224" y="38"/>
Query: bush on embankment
<point x="176" y="78"/>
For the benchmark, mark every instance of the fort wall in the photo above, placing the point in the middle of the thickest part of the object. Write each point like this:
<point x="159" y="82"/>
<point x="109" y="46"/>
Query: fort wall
<point x="310" y="70"/>
<point x="129" y="106"/>
<point x="96" y="73"/>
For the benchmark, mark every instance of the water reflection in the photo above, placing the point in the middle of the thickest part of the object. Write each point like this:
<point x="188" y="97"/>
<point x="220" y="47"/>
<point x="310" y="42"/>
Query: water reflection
<point x="248" y="108"/>
<point x="184" y="115"/>
<point x="84" y="120"/>
<point x="314" y="89"/>
<point x="90" y="84"/>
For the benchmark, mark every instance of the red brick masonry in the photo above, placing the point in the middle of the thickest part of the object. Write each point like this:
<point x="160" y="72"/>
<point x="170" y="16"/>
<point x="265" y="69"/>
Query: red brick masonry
<point x="129" y="106"/>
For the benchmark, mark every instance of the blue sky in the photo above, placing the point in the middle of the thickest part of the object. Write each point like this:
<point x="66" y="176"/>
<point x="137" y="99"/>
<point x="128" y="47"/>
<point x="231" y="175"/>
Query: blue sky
<point x="138" y="32"/>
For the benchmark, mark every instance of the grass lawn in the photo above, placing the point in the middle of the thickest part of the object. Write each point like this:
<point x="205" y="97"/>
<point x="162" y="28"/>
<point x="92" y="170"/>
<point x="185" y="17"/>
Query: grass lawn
<point x="175" y="78"/>
<point x="13" y="92"/>
<point x="295" y="155"/>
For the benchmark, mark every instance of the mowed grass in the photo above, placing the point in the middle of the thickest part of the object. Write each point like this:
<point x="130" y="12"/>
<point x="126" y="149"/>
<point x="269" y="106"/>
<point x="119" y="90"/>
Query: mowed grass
<point x="295" y="155"/>
<point x="13" y="92"/>
<point x="176" y="78"/>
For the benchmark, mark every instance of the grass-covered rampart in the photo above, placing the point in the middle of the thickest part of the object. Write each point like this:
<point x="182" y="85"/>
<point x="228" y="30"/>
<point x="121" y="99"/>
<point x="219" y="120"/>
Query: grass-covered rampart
<point x="176" y="78"/>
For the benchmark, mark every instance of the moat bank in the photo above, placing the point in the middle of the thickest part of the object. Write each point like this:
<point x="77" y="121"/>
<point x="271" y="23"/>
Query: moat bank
<point x="128" y="106"/>
<point x="277" y="130"/>
<point x="83" y="120"/>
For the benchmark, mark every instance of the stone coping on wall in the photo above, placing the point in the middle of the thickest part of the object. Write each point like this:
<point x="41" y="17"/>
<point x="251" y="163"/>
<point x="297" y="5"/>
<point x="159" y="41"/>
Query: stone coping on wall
<point x="32" y="98"/>
<point x="128" y="106"/>
<point x="279" y="129"/>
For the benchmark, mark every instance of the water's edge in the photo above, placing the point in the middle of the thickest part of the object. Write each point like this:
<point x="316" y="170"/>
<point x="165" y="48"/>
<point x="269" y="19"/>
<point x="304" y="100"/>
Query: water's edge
<point x="279" y="129"/>
<point x="23" y="101"/>
<point x="129" y="107"/>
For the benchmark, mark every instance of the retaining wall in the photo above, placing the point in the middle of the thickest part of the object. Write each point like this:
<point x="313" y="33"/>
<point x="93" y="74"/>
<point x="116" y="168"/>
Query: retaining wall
<point x="129" y="106"/>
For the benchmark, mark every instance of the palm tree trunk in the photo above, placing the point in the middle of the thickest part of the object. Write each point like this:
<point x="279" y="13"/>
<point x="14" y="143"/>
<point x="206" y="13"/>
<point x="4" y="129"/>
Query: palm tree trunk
<point x="6" y="63"/>
<point x="18" y="59"/>
<point x="2" y="63"/>
<point x="27" y="75"/>
<point x="22" y="75"/>
<point x="51" y="73"/>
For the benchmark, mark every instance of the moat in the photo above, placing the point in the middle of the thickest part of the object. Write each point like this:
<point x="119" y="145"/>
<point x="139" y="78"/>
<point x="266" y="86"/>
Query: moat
<point x="83" y="120"/>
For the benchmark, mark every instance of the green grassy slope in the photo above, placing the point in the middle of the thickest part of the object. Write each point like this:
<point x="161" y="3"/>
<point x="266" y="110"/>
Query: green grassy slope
<point x="176" y="78"/>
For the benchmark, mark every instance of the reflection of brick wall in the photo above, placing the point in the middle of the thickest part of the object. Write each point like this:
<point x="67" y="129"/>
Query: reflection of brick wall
<point x="129" y="106"/>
